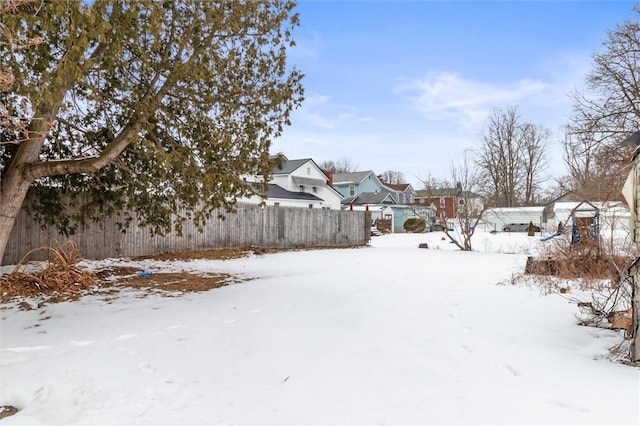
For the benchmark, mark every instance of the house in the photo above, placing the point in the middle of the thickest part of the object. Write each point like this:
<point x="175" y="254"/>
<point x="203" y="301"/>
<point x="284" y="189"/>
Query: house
<point x="447" y="201"/>
<point x="402" y="213"/>
<point x="298" y="183"/>
<point x="631" y="192"/>
<point x="350" y="185"/>
<point x="392" y="202"/>
<point x="402" y="192"/>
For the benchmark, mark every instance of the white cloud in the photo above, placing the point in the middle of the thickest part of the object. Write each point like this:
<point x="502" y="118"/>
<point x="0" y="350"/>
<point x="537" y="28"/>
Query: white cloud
<point x="321" y="112"/>
<point x="446" y="95"/>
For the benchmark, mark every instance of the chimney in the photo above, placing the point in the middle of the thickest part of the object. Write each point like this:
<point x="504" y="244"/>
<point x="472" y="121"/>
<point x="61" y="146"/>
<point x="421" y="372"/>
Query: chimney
<point x="330" y="176"/>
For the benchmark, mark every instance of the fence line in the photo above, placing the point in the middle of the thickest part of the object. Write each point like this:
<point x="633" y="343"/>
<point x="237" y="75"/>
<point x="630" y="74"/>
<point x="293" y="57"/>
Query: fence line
<point x="250" y="225"/>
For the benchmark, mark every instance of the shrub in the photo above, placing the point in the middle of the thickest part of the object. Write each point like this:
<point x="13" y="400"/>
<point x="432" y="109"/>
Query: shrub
<point x="415" y="225"/>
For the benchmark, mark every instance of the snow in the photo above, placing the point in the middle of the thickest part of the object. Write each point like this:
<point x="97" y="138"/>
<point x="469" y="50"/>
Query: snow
<point x="383" y="334"/>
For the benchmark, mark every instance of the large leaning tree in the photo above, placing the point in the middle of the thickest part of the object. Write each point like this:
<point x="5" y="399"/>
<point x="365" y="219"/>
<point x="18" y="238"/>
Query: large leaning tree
<point x="160" y="106"/>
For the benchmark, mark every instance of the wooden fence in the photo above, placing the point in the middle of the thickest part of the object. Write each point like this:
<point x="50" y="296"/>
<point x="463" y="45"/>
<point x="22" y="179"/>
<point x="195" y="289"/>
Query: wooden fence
<point x="250" y="225"/>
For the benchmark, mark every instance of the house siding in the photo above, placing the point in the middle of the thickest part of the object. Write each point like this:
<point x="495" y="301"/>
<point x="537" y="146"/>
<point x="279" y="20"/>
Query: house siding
<point x="368" y="184"/>
<point x="636" y="206"/>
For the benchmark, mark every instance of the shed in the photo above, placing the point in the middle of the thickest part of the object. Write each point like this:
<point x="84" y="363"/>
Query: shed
<point x="499" y="217"/>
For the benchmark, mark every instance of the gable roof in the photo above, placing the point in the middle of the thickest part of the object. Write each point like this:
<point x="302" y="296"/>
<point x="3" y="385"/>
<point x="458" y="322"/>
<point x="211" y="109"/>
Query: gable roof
<point x="289" y="166"/>
<point x="351" y="178"/>
<point x="567" y="196"/>
<point x="276" y="191"/>
<point x="402" y="187"/>
<point x="370" y="198"/>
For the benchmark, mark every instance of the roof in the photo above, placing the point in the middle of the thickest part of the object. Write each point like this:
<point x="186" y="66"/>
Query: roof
<point x="398" y="186"/>
<point x="445" y="192"/>
<point x="632" y="140"/>
<point x="567" y="196"/>
<point x="276" y="191"/>
<point x="528" y="209"/>
<point x="573" y="205"/>
<point x="370" y="198"/>
<point x="288" y="166"/>
<point x="355" y="177"/>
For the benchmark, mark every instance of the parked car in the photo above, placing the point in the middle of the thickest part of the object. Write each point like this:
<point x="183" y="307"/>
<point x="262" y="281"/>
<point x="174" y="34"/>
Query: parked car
<point x="519" y="227"/>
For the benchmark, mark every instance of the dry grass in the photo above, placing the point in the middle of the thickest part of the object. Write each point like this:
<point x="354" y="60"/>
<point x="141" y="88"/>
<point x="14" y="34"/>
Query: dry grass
<point x="230" y="253"/>
<point x="58" y="276"/>
<point x="60" y="279"/>
<point x="172" y="282"/>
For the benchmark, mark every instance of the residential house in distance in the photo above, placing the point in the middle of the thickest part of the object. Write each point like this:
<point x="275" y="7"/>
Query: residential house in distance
<point x="386" y="201"/>
<point x="298" y="183"/>
<point x="405" y="194"/>
<point x="351" y="185"/>
<point x="447" y="201"/>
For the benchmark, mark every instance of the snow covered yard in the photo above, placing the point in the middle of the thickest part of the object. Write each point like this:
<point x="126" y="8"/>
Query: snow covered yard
<point x="383" y="334"/>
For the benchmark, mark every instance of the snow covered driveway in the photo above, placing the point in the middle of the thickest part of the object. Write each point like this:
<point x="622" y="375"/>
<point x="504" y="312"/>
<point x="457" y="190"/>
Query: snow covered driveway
<point x="382" y="334"/>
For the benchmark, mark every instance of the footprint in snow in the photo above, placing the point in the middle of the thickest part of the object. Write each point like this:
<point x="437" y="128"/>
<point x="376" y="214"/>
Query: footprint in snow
<point x="512" y="370"/>
<point x="467" y="348"/>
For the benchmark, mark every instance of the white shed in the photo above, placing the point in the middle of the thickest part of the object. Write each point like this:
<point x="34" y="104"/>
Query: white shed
<point x="499" y="217"/>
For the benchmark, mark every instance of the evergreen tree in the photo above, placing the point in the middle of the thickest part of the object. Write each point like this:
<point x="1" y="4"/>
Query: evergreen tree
<point x="156" y="105"/>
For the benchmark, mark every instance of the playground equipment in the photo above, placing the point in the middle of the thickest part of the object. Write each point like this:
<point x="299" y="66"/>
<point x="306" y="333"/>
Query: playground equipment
<point x="585" y="224"/>
<point x="555" y="234"/>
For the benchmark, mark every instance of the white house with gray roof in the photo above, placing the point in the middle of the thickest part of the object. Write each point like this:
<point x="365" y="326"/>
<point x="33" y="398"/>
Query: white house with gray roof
<point x="298" y="183"/>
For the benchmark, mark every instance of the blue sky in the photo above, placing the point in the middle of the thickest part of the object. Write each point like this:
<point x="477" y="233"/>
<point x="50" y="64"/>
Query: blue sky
<point x="408" y="85"/>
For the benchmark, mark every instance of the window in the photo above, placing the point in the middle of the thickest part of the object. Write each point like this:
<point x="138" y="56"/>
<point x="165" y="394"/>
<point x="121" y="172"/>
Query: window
<point x="352" y="190"/>
<point x="301" y="188"/>
<point x="461" y="201"/>
<point x="314" y="189"/>
<point x="308" y="170"/>
<point x="276" y="204"/>
<point x="310" y="206"/>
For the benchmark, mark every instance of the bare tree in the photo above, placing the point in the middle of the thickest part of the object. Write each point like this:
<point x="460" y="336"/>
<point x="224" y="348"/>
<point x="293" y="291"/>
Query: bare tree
<point x="393" y="177"/>
<point x="511" y="158"/>
<point x="430" y="183"/>
<point x="596" y="170"/>
<point x="611" y="106"/>
<point x="499" y="158"/>
<point x="469" y="204"/>
<point x="534" y="141"/>
<point x="607" y="111"/>
<point x="343" y="165"/>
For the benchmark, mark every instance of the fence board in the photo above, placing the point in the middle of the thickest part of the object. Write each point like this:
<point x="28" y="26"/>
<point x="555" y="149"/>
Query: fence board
<point x="250" y="225"/>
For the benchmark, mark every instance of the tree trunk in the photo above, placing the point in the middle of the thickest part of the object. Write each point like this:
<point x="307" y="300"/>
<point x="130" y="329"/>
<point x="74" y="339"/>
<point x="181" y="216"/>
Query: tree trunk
<point x="13" y="190"/>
